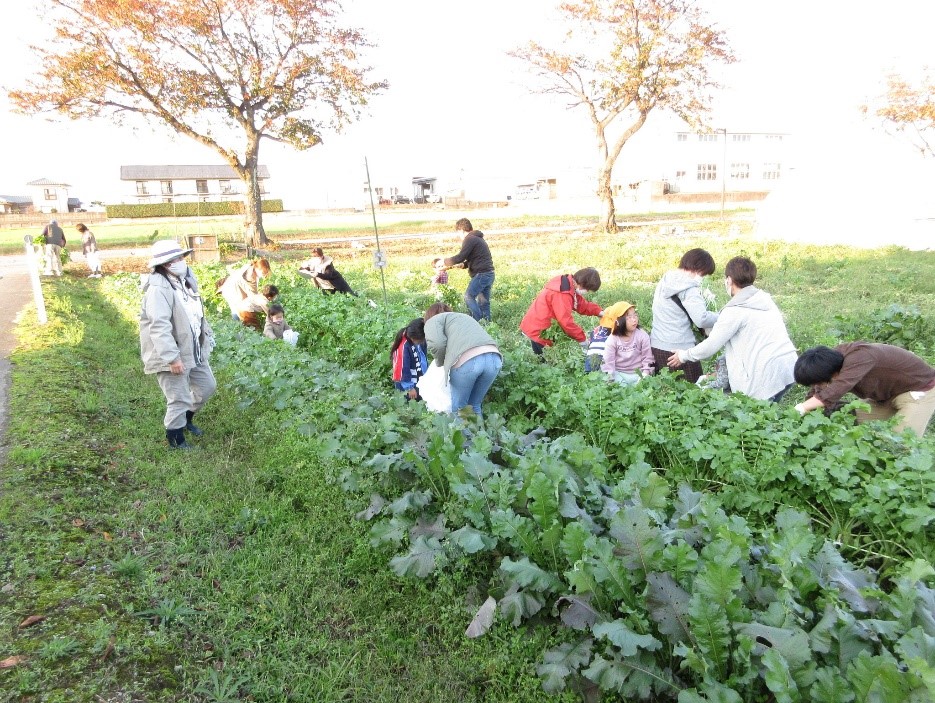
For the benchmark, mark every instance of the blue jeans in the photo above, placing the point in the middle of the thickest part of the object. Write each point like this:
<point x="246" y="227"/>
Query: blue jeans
<point x="471" y="381"/>
<point x="477" y="295"/>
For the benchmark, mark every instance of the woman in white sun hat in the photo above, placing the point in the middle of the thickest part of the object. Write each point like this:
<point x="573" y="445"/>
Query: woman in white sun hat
<point x="176" y="340"/>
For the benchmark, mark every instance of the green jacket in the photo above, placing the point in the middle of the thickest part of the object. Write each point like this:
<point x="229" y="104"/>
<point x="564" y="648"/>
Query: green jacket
<point x="450" y="334"/>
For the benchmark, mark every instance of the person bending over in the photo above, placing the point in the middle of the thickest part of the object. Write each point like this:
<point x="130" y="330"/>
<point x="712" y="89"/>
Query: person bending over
<point x="893" y="381"/>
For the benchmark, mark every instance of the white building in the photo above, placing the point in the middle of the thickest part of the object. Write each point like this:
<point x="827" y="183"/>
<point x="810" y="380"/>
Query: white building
<point x="185" y="184"/>
<point x="723" y="160"/>
<point x="49" y="196"/>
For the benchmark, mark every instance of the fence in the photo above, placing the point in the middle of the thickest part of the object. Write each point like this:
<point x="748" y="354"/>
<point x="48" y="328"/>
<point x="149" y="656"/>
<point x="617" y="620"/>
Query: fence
<point x="41" y="219"/>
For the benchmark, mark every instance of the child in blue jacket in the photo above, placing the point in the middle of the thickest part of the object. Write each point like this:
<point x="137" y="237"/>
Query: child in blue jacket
<point x="408" y="358"/>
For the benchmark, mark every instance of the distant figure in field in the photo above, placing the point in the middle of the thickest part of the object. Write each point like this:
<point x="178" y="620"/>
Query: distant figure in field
<point x="440" y="278"/>
<point x="54" y="237"/>
<point x="89" y="249"/>
<point x="320" y="269"/>
<point x="760" y="356"/>
<point x="678" y="307"/>
<point x="893" y="381"/>
<point x="475" y="257"/>
<point x="240" y="291"/>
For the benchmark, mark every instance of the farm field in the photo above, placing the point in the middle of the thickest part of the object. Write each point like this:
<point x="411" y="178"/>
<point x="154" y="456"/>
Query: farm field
<point x="285" y="226"/>
<point x="329" y="542"/>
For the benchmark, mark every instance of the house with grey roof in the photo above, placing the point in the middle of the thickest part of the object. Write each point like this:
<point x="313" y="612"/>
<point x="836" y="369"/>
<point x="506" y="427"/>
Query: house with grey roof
<point x="15" y="204"/>
<point x="185" y="183"/>
<point x="49" y="195"/>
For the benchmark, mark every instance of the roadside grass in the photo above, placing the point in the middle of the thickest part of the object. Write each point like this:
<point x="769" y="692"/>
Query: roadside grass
<point x="232" y="572"/>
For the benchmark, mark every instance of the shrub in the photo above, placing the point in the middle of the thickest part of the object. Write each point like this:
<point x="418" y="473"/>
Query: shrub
<point x="902" y="325"/>
<point x="186" y="209"/>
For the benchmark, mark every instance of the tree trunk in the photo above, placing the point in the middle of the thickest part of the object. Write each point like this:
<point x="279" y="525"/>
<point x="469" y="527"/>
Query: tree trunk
<point x="254" y="234"/>
<point x="606" y="194"/>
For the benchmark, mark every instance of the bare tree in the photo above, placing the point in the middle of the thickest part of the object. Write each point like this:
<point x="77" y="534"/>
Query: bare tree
<point x="227" y="73"/>
<point x="908" y="111"/>
<point x="620" y="60"/>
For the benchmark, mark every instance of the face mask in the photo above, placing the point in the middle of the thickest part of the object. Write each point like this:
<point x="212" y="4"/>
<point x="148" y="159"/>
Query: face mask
<point x="581" y="291"/>
<point x="727" y="285"/>
<point x="178" y="268"/>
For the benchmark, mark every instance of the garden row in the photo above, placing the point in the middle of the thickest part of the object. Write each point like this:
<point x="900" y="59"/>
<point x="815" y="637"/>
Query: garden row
<point x="697" y="546"/>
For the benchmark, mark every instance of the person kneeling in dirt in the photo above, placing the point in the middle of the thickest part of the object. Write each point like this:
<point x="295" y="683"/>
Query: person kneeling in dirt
<point x="176" y="340"/>
<point x="320" y="268"/>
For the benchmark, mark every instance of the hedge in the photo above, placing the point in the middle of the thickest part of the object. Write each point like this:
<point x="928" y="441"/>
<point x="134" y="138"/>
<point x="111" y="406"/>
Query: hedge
<point x="187" y="209"/>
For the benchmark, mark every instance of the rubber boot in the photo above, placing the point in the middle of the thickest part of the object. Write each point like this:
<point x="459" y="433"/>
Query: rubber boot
<point x="191" y="426"/>
<point x="176" y="439"/>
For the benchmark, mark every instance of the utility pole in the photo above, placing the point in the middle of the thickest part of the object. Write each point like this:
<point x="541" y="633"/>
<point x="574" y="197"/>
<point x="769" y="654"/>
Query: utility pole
<point x="723" y="130"/>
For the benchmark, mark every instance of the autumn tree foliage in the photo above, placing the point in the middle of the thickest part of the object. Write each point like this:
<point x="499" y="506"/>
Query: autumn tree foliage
<point x="622" y="59"/>
<point x="907" y="110"/>
<point x="227" y="73"/>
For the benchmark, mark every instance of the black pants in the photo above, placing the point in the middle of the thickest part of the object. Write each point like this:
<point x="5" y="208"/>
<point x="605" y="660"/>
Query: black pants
<point x="691" y="370"/>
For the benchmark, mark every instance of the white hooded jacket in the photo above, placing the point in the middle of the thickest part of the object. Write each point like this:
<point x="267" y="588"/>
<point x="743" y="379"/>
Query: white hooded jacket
<point x="671" y="328"/>
<point x="760" y="356"/>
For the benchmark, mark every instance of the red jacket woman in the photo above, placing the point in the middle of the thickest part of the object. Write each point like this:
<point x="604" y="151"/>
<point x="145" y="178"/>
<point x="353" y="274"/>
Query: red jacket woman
<point x="561" y="296"/>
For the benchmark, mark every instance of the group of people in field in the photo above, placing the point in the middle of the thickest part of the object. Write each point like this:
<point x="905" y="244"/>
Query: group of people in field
<point x="176" y="339"/>
<point x="53" y="243"/>
<point x="756" y="355"/>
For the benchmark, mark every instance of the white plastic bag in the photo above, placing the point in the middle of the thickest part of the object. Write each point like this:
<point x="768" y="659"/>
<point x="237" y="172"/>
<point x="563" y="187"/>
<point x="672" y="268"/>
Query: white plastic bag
<point x="434" y="390"/>
<point x="290" y="337"/>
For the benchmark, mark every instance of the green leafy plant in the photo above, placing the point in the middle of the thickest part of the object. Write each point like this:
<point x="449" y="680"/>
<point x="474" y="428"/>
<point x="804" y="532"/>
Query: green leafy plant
<point x="167" y="612"/>
<point x="218" y="688"/>
<point x="901" y="325"/>
<point x="59" y="647"/>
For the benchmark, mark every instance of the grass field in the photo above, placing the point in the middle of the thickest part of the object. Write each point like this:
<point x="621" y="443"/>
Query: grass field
<point x="296" y="225"/>
<point x="237" y="572"/>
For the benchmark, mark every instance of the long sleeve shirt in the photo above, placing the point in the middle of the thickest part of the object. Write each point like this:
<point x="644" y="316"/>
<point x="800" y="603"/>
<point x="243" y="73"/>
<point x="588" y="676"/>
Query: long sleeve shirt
<point x="628" y="354"/>
<point x="877" y="372"/>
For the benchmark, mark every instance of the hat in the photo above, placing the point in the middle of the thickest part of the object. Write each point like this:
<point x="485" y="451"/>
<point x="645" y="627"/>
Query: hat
<point x="613" y="312"/>
<point x="166" y="250"/>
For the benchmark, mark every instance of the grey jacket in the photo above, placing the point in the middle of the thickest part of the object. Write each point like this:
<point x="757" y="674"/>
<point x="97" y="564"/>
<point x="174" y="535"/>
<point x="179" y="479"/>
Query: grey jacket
<point x="274" y="330"/>
<point x="165" y="330"/>
<point x="54" y="235"/>
<point x="671" y="330"/>
<point x="760" y="356"/>
<point x="450" y="334"/>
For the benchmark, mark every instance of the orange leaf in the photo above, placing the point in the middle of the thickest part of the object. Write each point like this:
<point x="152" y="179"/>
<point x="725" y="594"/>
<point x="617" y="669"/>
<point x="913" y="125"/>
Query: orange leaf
<point x="107" y="536"/>
<point x="10" y="662"/>
<point x="77" y="522"/>
<point x="31" y="620"/>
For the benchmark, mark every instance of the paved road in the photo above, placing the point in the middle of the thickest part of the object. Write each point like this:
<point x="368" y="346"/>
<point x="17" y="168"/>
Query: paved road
<point x="14" y="294"/>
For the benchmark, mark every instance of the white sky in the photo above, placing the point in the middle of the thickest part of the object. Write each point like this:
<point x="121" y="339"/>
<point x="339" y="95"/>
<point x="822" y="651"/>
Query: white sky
<point x="456" y="101"/>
